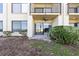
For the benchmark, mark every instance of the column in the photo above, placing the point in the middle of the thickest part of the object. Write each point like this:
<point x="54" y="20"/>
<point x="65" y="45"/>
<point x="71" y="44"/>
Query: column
<point x="29" y="23"/>
<point x="60" y="16"/>
<point x="30" y="26"/>
<point x="60" y="20"/>
<point x="65" y="14"/>
<point x="63" y="18"/>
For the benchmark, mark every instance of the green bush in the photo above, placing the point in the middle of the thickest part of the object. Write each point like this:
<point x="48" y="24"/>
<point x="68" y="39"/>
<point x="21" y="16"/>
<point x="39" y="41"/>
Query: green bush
<point x="64" y="34"/>
<point x="23" y="32"/>
<point x="7" y="33"/>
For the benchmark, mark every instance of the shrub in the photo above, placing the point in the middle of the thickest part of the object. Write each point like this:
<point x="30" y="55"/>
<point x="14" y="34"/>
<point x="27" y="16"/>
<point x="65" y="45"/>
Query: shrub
<point x="64" y="34"/>
<point x="7" y="33"/>
<point x="23" y="32"/>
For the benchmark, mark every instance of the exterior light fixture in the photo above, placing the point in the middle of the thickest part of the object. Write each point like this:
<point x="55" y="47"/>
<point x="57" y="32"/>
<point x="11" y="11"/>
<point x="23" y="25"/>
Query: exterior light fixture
<point x="45" y="18"/>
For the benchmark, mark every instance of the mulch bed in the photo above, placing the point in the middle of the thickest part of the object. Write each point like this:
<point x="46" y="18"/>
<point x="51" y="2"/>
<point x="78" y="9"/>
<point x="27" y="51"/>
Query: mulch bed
<point x="17" y="46"/>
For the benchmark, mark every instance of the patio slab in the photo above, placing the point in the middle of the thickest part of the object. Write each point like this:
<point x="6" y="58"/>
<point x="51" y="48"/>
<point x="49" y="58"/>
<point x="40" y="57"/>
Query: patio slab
<point x="41" y="37"/>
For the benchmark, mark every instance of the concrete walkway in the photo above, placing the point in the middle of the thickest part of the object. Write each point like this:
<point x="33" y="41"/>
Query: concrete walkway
<point x="41" y="37"/>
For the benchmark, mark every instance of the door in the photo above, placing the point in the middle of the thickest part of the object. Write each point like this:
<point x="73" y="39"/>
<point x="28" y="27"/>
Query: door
<point x="39" y="28"/>
<point x="42" y="28"/>
<point x="47" y="26"/>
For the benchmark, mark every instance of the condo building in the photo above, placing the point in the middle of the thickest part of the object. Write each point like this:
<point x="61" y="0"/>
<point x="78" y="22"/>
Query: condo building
<point x="37" y="18"/>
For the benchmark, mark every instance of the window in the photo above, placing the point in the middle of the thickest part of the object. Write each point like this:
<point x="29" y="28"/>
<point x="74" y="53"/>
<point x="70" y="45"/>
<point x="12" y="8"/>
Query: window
<point x="19" y="25"/>
<point x="1" y="26"/>
<point x="19" y="8"/>
<point x="16" y="8"/>
<point x="1" y="8"/>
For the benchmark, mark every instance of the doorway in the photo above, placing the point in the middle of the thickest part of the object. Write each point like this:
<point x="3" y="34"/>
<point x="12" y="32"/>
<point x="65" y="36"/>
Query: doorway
<point x="42" y="28"/>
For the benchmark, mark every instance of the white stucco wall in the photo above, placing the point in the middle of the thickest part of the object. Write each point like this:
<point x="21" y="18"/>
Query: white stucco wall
<point x="55" y="22"/>
<point x="58" y="21"/>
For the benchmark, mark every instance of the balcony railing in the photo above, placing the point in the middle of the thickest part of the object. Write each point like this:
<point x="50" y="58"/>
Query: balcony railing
<point x="45" y="10"/>
<point x="73" y="10"/>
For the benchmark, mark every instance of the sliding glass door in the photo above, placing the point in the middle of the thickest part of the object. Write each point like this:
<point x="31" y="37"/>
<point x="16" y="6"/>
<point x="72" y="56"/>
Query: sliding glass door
<point x="42" y="28"/>
<point x="39" y="28"/>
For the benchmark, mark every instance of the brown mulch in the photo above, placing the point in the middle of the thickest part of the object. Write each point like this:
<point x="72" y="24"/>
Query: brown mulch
<point x="17" y="46"/>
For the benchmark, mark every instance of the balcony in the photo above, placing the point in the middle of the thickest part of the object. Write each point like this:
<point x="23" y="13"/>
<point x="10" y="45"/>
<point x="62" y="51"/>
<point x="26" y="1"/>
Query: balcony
<point x="73" y="9"/>
<point x="41" y="9"/>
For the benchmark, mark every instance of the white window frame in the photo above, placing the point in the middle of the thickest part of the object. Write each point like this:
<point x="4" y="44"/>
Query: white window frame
<point x="22" y="7"/>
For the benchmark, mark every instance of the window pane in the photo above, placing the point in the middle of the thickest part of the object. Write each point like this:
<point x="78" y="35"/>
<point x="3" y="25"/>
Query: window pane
<point x="24" y="8"/>
<point x="37" y="27"/>
<point x="16" y="26"/>
<point x="1" y="26"/>
<point x="24" y="25"/>
<point x="16" y="8"/>
<point x="19" y="25"/>
<point x="1" y="7"/>
<point x="46" y="25"/>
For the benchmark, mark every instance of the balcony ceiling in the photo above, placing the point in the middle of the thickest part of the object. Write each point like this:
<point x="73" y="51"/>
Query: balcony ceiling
<point x="41" y="17"/>
<point x="74" y="5"/>
<point x="74" y="17"/>
<point x="35" y="5"/>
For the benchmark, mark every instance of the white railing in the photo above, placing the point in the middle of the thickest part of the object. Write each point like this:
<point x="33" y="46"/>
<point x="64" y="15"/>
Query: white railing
<point x="45" y="10"/>
<point x="73" y="10"/>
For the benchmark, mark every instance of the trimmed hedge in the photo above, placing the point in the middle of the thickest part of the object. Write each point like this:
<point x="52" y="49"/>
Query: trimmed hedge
<point x="23" y="32"/>
<point x="64" y="34"/>
<point x="7" y="33"/>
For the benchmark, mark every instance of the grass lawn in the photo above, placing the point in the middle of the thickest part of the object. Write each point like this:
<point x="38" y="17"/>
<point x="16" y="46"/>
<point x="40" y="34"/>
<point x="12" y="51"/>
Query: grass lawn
<point x="56" y="49"/>
<point x="21" y="46"/>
